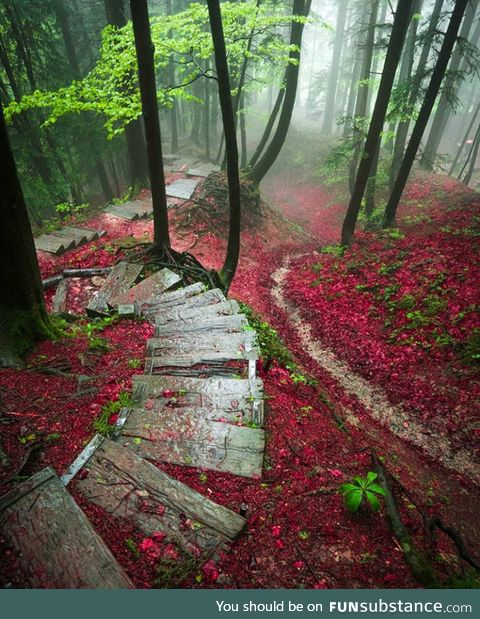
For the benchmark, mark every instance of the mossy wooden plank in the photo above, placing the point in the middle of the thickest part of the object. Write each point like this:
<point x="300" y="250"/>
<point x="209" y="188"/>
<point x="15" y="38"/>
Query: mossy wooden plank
<point x="122" y="210"/>
<point x="182" y="188"/>
<point x="59" y="304"/>
<point x="235" y="323"/>
<point x="58" y="547"/>
<point x="172" y="298"/>
<point x="186" y="438"/>
<point x="147" y="289"/>
<point x="119" y="280"/>
<point x="240" y="345"/>
<point x="52" y="245"/>
<point x="92" y="235"/>
<point x="72" y="237"/>
<point x="127" y="486"/>
<point x="182" y="314"/>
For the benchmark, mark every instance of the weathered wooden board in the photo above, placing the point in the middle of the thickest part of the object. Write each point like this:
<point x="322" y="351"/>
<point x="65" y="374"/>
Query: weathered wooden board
<point x="72" y="236"/>
<point x="130" y="210"/>
<point x="51" y="244"/>
<point x="127" y="486"/>
<point x="59" y="304"/>
<point x="92" y="235"/>
<point x="182" y="314"/>
<point x="182" y="188"/>
<point x="202" y="299"/>
<point x="119" y="280"/>
<point x="226" y="395"/>
<point x="203" y="169"/>
<point x="190" y="440"/>
<point x="68" y="242"/>
<point x="241" y="344"/>
<point x="190" y="357"/>
<point x="234" y="323"/>
<point x="148" y="289"/>
<point x="172" y="298"/>
<point x="59" y="548"/>
<point x="183" y="164"/>
<point x="142" y="207"/>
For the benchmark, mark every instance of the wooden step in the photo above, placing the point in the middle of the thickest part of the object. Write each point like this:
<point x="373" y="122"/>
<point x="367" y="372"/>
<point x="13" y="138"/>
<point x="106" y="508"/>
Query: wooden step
<point x="203" y="169"/>
<point x="209" y="297"/>
<point x="235" y="323"/>
<point x="190" y="440"/>
<point x="172" y="298"/>
<point x="72" y="236"/>
<point x="68" y="242"/>
<point x="240" y="345"/>
<point x="129" y="210"/>
<point x="147" y="289"/>
<point x="127" y="486"/>
<point x="58" y="547"/>
<point x="182" y="188"/>
<point x="89" y="233"/>
<point x="182" y="314"/>
<point x="51" y="244"/>
<point x="119" y="280"/>
<point x="59" y="304"/>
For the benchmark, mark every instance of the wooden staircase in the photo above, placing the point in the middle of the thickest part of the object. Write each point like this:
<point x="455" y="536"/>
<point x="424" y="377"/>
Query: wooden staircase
<point x="199" y="404"/>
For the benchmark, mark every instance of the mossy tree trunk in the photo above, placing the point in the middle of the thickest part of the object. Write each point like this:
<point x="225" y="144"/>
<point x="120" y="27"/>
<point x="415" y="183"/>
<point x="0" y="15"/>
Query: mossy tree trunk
<point x="23" y="317"/>
<point x="148" y="92"/>
<point x="229" y="127"/>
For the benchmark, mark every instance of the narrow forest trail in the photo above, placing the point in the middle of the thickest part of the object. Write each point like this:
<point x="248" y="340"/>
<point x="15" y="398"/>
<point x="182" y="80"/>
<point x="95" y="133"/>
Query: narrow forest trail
<point x="373" y="400"/>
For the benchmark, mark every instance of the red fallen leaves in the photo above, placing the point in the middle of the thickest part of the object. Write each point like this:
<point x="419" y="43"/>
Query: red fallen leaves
<point x="210" y="571"/>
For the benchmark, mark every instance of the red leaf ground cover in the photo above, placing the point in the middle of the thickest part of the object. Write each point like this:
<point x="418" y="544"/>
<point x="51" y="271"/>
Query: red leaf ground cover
<point x="299" y="534"/>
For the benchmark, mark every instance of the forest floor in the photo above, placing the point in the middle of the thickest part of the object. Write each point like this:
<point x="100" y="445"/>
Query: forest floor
<point x="381" y="354"/>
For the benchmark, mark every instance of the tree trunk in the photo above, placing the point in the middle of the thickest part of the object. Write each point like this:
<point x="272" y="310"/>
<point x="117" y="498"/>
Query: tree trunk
<point x="394" y="51"/>
<point x="334" y="68"/>
<point x="243" y="132"/>
<point x="148" y="91"/>
<point x="425" y="111"/>
<point x="473" y="157"/>
<point x="136" y="147"/>
<point x="226" y="105"/>
<point x="256" y="174"/>
<point x="363" y="88"/>
<point x="23" y="317"/>
<point x="444" y="107"/>
<point x="268" y="129"/>
<point x="464" y="141"/>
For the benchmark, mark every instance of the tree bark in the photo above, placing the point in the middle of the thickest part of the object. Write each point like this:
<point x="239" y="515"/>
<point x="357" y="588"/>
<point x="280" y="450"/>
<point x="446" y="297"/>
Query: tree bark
<point x="334" y="68"/>
<point x="268" y="128"/>
<point x="464" y="141"/>
<point x="23" y="317"/>
<point x="394" y="51"/>
<point x="425" y="111"/>
<point x="444" y="106"/>
<point x="473" y="157"/>
<point x="148" y="91"/>
<point x="226" y="105"/>
<point x="256" y="174"/>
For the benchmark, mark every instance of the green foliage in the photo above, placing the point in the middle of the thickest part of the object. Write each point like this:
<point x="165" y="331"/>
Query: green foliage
<point x="334" y="250"/>
<point x="360" y="489"/>
<point x="134" y="363"/>
<point x="271" y="345"/>
<point x="101" y="423"/>
<point x="470" y="349"/>
<point x="301" y="379"/>
<point x="132" y="547"/>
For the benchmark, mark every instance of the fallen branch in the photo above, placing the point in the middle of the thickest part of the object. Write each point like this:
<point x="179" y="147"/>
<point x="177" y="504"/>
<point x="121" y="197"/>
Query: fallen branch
<point x="457" y="539"/>
<point x="55" y="279"/>
<point x="419" y="567"/>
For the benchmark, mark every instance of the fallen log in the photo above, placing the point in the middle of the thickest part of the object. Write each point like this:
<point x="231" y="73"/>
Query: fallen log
<point x="55" y="279"/>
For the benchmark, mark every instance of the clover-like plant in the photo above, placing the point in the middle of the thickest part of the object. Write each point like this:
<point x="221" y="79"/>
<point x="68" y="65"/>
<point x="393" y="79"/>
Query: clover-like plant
<point x="359" y="489"/>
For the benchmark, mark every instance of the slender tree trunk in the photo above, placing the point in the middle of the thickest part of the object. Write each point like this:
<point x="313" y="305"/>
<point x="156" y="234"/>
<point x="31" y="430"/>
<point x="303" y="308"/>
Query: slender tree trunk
<point x="223" y="80"/>
<point x="363" y="88"/>
<point x="207" y="121"/>
<point x="356" y="72"/>
<point x="256" y="174"/>
<point x="136" y="148"/>
<point x="395" y="46"/>
<point x="425" y="111"/>
<point x="268" y="128"/>
<point x="148" y="91"/>
<point x="464" y="141"/>
<point x="405" y="76"/>
<point x="243" y="132"/>
<point x="473" y="157"/>
<point x="444" y="107"/>
<point x="23" y="317"/>
<point x="334" y="68"/>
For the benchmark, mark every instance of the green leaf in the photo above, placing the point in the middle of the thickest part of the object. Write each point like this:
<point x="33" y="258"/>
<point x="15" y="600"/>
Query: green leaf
<point x="353" y="499"/>
<point x="377" y="488"/>
<point x="371" y="476"/>
<point x="344" y="488"/>
<point x="372" y="499"/>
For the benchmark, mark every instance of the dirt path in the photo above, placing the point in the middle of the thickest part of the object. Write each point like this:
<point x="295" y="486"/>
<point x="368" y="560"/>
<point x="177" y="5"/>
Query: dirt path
<point x="394" y="419"/>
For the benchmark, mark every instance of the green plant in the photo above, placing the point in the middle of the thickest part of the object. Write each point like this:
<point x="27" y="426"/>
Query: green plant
<point x="132" y="547"/>
<point x="102" y="423"/>
<point x="300" y="379"/>
<point x="333" y="250"/>
<point x="98" y="344"/>
<point x="134" y="363"/>
<point x="361" y="488"/>
<point x="470" y="349"/>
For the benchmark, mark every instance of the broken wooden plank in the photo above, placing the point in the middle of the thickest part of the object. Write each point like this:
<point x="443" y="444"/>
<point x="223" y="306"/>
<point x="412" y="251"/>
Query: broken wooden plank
<point x="89" y="233"/>
<point x="190" y="440"/>
<point x="59" y="305"/>
<point x="148" y="289"/>
<point x="242" y="344"/>
<point x="119" y="280"/>
<point x="183" y="314"/>
<point x="51" y="244"/>
<point x="172" y="298"/>
<point x="58" y="547"/>
<point x="190" y="357"/>
<point x="234" y="323"/>
<point x="203" y="169"/>
<point x="182" y="188"/>
<point x="122" y="210"/>
<point x="127" y="486"/>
